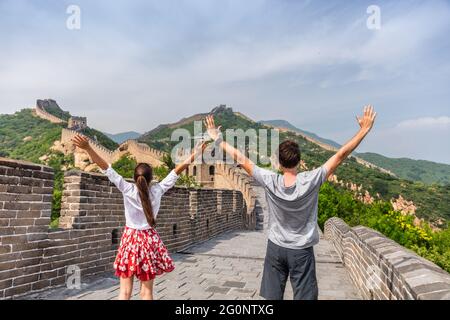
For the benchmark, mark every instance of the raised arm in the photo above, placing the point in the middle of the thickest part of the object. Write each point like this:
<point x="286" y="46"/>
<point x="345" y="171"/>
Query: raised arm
<point x="82" y="142"/>
<point x="365" y="123"/>
<point x="216" y="135"/>
<point x="183" y="165"/>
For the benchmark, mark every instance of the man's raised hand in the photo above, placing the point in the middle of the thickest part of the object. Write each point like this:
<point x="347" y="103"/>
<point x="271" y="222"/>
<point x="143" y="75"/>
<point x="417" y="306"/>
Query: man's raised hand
<point x="367" y="120"/>
<point x="213" y="132"/>
<point x="81" y="142"/>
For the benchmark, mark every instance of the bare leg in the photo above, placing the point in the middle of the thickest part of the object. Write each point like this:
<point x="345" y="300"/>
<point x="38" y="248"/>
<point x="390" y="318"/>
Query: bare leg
<point x="126" y="288"/>
<point x="147" y="290"/>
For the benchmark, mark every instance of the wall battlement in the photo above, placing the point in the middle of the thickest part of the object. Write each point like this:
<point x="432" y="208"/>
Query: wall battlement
<point x="141" y="152"/>
<point x="34" y="258"/>
<point x="384" y="270"/>
<point x="225" y="176"/>
<point x="230" y="177"/>
<point x="41" y="113"/>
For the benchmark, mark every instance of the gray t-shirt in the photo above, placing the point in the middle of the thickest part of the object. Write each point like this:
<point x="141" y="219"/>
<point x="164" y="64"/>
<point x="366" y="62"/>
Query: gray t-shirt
<point x="292" y="210"/>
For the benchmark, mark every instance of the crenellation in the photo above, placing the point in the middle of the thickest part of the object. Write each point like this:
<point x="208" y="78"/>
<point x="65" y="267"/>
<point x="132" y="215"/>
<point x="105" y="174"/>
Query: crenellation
<point x="41" y="113"/>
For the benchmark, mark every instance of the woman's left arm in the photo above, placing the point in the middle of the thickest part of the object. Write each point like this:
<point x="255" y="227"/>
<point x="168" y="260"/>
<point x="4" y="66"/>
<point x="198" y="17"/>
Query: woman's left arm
<point x="197" y="150"/>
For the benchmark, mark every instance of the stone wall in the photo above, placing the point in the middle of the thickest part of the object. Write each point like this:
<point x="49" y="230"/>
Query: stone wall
<point x="382" y="269"/>
<point x="33" y="258"/>
<point x="41" y="113"/>
<point x="141" y="152"/>
<point x="66" y="139"/>
<point x="228" y="177"/>
<point x="225" y="176"/>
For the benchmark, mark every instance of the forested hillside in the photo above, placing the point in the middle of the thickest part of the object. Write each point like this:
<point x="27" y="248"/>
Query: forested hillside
<point x="431" y="201"/>
<point x="416" y="170"/>
<point x="26" y="137"/>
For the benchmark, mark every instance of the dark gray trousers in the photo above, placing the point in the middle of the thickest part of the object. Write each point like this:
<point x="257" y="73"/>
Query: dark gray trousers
<point x="298" y="264"/>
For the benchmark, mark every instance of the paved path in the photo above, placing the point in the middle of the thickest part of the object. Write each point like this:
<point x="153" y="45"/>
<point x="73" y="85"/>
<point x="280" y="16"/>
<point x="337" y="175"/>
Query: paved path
<point x="226" y="267"/>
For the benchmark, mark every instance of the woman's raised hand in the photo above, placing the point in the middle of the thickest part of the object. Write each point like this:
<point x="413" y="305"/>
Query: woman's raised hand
<point x="81" y="142"/>
<point x="200" y="147"/>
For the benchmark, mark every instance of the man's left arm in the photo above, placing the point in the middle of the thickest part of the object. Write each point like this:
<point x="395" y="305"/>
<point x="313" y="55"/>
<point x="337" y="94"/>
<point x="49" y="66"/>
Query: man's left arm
<point x="365" y="122"/>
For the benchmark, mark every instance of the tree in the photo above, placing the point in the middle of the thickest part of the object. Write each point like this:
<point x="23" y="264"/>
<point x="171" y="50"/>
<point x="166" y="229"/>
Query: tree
<point x="125" y="166"/>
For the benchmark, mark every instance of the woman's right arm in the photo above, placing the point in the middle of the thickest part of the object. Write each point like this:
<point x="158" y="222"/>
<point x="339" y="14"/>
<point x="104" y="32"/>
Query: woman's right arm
<point x="82" y="142"/>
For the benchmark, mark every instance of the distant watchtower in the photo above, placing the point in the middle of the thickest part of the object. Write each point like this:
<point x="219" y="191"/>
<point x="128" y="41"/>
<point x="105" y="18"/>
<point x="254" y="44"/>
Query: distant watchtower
<point x="77" y="123"/>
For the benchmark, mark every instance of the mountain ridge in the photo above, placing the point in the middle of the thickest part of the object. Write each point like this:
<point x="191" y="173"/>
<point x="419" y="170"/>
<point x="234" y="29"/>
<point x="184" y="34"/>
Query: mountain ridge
<point x="123" y="136"/>
<point x="425" y="171"/>
<point x="411" y="169"/>
<point x="352" y="174"/>
<point x="287" y="125"/>
<point x="355" y="173"/>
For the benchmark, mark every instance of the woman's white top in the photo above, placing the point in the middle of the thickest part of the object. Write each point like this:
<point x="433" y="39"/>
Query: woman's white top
<point x="134" y="213"/>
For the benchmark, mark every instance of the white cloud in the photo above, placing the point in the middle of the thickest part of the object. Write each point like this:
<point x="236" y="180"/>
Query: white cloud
<point x="421" y="138"/>
<point x="127" y="70"/>
<point x="425" y="122"/>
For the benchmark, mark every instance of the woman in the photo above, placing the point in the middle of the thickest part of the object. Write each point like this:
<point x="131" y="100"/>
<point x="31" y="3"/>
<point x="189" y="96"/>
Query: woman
<point x="141" y="253"/>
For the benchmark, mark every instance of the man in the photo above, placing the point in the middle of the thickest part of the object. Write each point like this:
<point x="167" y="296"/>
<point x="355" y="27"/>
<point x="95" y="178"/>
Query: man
<point x="292" y="200"/>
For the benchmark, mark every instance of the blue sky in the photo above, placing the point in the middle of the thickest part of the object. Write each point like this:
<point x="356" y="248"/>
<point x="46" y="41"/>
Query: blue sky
<point x="136" y="64"/>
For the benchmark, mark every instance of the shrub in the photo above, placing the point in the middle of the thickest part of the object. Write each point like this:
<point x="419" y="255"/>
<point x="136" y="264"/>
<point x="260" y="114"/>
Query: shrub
<point x="125" y="166"/>
<point x="432" y="245"/>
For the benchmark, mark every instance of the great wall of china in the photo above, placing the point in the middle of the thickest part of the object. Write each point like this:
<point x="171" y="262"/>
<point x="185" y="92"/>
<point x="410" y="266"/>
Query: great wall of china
<point x="224" y="176"/>
<point x="41" y="113"/>
<point x="34" y="258"/>
<point x="141" y="152"/>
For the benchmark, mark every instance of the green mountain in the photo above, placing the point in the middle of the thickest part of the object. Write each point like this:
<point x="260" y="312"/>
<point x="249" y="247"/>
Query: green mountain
<point x="53" y="108"/>
<point x="287" y="125"/>
<point x="159" y="138"/>
<point x="428" y="199"/>
<point x="24" y="136"/>
<point x="416" y="170"/>
<point x="123" y="136"/>
<point x="100" y="137"/>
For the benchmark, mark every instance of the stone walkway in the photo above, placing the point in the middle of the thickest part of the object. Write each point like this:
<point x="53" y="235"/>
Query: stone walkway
<point x="226" y="267"/>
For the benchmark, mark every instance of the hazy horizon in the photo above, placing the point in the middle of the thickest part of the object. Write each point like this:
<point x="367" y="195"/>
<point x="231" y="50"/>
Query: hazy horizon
<point x="135" y="65"/>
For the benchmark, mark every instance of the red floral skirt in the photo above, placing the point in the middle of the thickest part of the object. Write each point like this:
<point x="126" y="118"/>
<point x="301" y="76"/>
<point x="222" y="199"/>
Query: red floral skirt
<point x="142" y="254"/>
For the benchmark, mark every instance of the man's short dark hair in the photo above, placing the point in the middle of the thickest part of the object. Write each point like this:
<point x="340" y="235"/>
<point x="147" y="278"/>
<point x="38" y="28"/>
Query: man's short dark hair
<point x="289" y="154"/>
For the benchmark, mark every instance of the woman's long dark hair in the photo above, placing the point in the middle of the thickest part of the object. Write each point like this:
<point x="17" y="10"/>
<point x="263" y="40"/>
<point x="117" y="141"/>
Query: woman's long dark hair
<point x="143" y="175"/>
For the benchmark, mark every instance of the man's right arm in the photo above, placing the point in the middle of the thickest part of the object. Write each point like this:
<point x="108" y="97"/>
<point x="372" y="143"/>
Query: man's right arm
<point x="365" y="122"/>
<point x="215" y="134"/>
